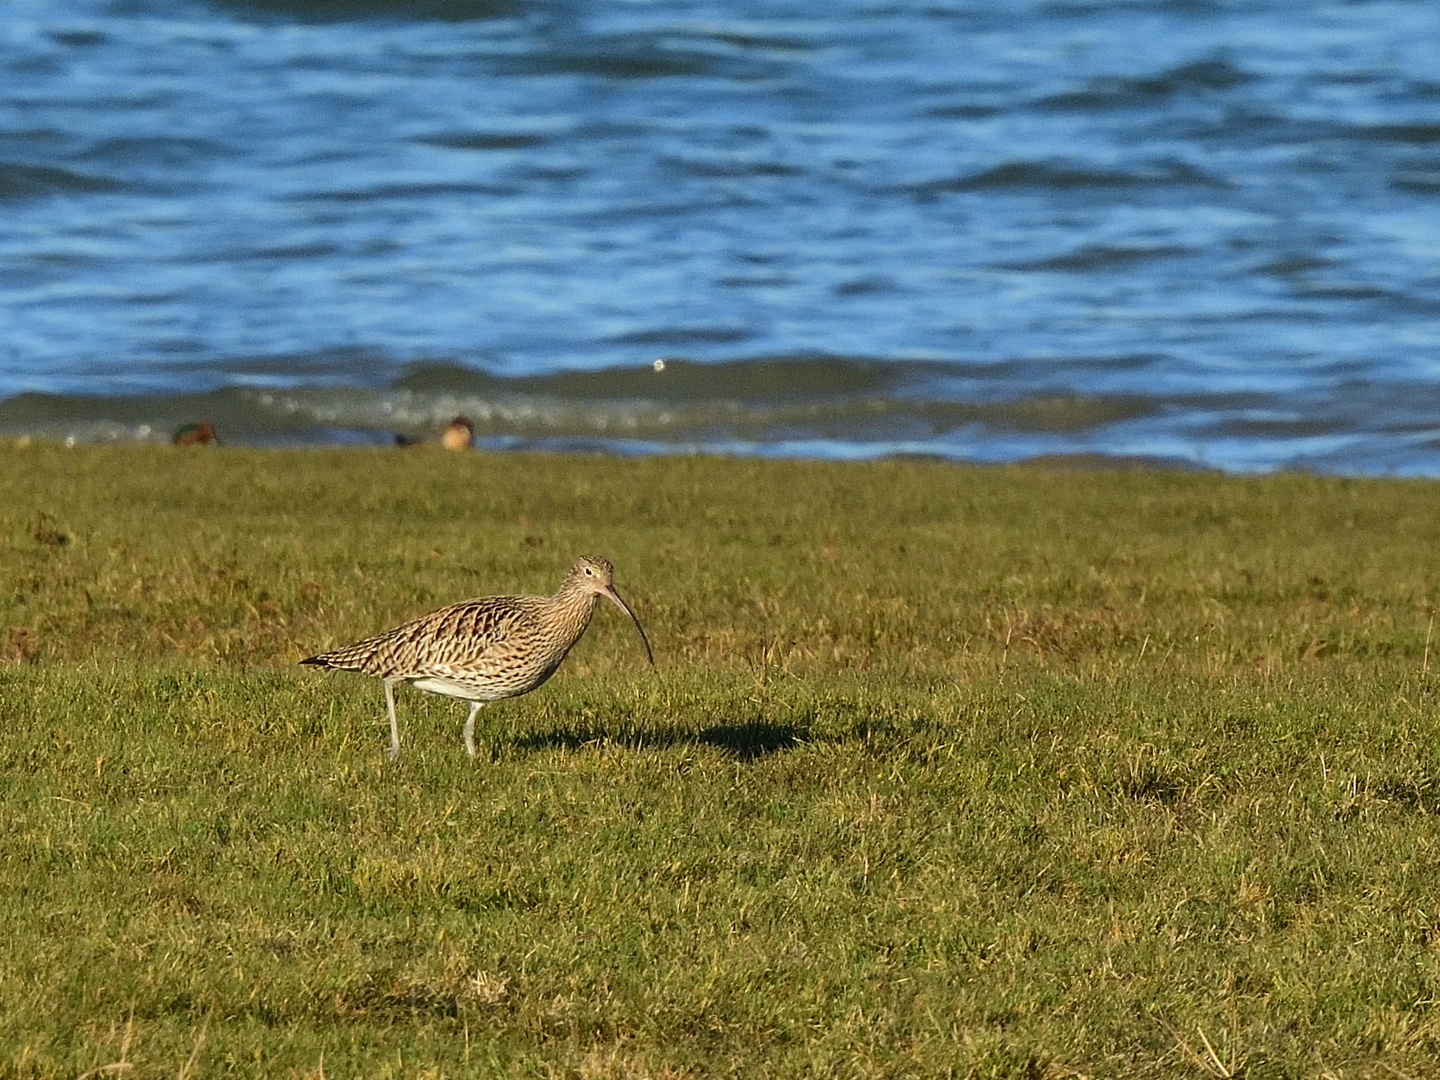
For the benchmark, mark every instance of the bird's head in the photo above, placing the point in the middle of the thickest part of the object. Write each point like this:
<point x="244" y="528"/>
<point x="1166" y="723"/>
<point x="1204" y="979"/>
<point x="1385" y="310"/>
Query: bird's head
<point x="594" y="574"/>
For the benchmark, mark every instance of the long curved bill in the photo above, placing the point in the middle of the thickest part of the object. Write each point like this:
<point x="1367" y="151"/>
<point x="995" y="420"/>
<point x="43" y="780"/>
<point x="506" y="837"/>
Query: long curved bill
<point x="613" y="595"/>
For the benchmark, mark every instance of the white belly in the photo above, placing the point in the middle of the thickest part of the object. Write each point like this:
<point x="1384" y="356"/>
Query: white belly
<point x="434" y="684"/>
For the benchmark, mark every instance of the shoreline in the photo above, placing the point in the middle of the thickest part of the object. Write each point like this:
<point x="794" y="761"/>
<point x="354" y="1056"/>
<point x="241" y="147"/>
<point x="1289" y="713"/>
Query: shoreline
<point x="1083" y="461"/>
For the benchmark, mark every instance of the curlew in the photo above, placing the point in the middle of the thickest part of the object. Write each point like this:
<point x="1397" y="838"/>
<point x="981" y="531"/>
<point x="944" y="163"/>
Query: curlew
<point x="487" y="649"/>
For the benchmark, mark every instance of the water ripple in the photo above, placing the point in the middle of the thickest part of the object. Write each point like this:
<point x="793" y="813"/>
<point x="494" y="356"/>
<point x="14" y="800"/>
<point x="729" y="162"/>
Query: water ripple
<point x="1200" y="232"/>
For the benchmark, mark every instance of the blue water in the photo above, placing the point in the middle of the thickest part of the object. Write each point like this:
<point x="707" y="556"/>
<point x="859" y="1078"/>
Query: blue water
<point x="1193" y="230"/>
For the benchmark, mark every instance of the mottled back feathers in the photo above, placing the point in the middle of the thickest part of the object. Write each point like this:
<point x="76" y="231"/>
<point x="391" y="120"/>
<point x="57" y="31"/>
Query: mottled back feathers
<point x="489" y="648"/>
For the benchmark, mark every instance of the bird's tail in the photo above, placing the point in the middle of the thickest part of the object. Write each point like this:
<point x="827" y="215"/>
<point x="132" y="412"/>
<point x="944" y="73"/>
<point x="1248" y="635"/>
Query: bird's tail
<point x="351" y="658"/>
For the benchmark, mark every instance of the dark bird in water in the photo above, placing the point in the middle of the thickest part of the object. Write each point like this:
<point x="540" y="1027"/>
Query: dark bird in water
<point x="201" y="433"/>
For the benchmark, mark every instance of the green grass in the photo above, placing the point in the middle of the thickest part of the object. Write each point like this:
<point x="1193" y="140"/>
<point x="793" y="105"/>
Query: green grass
<point x="1012" y="772"/>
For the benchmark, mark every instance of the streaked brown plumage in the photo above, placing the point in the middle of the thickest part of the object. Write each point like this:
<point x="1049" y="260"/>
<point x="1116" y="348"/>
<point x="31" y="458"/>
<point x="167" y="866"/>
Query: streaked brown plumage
<point x="487" y="649"/>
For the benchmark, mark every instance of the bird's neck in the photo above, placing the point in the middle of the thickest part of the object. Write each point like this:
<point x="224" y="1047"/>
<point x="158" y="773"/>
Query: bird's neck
<point x="576" y="602"/>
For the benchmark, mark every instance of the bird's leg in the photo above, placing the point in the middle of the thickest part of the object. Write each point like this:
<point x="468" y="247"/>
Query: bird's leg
<point x="470" y="727"/>
<point x="394" y="750"/>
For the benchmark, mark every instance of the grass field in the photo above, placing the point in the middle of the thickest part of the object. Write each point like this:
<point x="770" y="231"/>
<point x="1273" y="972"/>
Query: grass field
<point x="944" y="771"/>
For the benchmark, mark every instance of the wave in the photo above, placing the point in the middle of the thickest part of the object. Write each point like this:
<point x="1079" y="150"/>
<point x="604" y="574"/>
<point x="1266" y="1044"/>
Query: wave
<point x="1116" y="92"/>
<point x="23" y="181"/>
<point x="1064" y="176"/>
<point x="673" y="404"/>
<point x="335" y="11"/>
